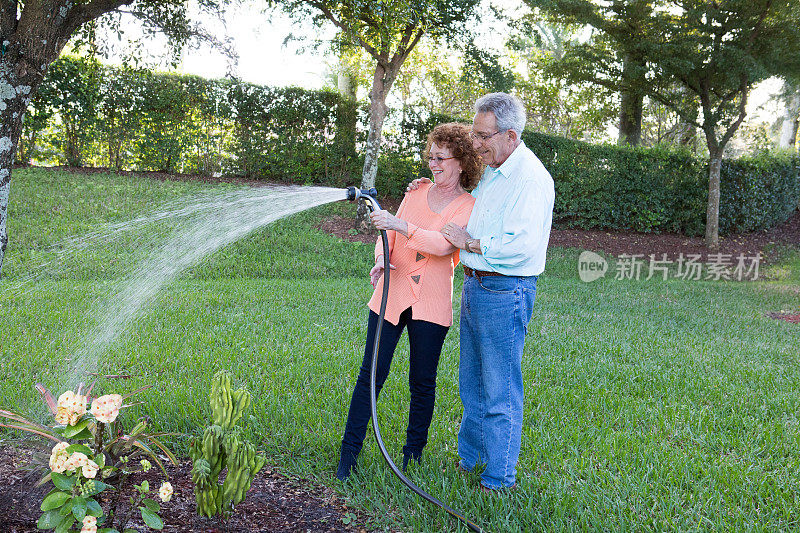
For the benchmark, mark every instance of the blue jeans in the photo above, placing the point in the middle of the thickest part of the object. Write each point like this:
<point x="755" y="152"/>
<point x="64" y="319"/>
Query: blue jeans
<point x="495" y="311"/>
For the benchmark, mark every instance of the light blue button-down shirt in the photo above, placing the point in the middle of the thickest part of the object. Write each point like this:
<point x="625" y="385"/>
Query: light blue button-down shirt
<point x="512" y="216"/>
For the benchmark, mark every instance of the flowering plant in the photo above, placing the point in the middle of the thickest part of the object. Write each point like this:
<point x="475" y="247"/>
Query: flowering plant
<point x="94" y="453"/>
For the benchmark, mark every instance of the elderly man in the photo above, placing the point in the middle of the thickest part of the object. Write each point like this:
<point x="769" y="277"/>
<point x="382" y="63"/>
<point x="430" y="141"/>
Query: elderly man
<point x="504" y="246"/>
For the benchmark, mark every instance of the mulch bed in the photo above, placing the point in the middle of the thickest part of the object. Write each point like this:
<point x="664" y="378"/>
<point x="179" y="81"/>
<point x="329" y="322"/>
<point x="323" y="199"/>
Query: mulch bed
<point x="770" y="243"/>
<point x="792" y="318"/>
<point x="275" y="502"/>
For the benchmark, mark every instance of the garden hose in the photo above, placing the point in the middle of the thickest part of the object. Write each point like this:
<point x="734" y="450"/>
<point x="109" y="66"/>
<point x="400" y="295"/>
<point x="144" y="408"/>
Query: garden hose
<point x="369" y="197"/>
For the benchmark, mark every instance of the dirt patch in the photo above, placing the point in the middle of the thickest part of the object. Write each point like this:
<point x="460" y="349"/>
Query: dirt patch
<point x="276" y="502"/>
<point x="770" y="243"/>
<point x="792" y="318"/>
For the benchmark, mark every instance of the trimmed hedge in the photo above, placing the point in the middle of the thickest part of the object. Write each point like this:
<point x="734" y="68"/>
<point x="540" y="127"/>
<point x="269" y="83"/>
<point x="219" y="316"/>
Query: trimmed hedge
<point x="759" y="192"/>
<point x="86" y="113"/>
<point x="659" y="190"/>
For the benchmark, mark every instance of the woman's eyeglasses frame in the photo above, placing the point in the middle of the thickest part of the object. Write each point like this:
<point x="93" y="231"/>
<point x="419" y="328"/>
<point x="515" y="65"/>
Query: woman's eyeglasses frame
<point x="438" y="160"/>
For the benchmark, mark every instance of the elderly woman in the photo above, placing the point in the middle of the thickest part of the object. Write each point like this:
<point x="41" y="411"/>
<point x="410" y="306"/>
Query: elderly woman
<point x="420" y="289"/>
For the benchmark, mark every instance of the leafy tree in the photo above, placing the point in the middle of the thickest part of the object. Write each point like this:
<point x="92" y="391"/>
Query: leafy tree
<point x="613" y="58"/>
<point x="714" y="52"/>
<point x="578" y="110"/>
<point x="32" y="36"/>
<point x="445" y="80"/>
<point x="388" y="30"/>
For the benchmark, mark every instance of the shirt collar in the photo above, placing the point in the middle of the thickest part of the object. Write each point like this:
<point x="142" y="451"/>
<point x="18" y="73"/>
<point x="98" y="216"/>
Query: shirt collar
<point x="511" y="163"/>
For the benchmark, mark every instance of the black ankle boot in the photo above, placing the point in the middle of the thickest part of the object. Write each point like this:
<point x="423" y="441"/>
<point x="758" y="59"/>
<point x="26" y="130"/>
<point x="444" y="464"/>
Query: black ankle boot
<point x="347" y="463"/>
<point x="408" y="456"/>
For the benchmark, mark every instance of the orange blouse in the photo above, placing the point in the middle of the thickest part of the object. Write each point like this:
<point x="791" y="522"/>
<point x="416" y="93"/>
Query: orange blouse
<point x="423" y="279"/>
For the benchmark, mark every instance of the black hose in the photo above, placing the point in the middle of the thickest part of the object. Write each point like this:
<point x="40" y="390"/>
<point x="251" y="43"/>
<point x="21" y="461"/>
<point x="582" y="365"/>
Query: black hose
<point x="373" y="397"/>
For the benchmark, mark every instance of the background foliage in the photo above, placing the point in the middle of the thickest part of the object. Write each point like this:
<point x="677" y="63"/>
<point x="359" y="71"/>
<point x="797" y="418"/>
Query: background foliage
<point x="662" y="190"/>
<point x="90" y="114"/>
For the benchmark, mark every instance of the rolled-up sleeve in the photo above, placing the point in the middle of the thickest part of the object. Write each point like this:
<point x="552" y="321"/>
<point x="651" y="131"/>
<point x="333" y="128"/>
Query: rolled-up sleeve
<point x="512" y="217"/>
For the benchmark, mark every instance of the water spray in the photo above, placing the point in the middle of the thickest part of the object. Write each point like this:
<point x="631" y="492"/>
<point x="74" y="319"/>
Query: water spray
<point x="369" y="197"/>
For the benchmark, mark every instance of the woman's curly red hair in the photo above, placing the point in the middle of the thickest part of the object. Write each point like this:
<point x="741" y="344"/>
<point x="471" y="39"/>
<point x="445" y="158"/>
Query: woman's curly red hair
<point x="455" y="137"/>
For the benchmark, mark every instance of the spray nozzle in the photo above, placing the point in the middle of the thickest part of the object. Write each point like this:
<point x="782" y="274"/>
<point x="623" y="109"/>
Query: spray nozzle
<point x="368" y="195"/>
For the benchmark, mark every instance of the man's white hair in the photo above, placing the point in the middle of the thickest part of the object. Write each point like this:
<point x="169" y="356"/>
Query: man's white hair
<point x="507" y="109"/>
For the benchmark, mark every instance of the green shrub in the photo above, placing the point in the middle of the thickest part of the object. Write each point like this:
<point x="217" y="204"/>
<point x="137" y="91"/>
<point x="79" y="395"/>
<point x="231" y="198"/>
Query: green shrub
<point x="141" y="120"/>
<point x="71" y="94"/>
<point x="758" y="192"/>
<point x="661" y="190"/>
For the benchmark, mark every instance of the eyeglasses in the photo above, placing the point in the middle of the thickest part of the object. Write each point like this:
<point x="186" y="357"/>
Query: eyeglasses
<point x="439" y="159"/>
<point x="482" y="136"/>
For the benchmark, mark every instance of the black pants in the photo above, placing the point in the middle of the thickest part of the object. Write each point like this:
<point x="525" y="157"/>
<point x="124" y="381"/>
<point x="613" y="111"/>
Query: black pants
<point x="425" y="342"/>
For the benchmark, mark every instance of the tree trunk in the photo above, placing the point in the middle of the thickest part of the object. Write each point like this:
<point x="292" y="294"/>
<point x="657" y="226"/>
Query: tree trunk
<point x="630" y="118"/>
<point x="382" y="82"/>
<point x="16" y="87"/>
<point x="791" y="116"/>
<point x="346" y="122"/>
<point x="712" y="211"/>
<point x="347" y="84"/>
<point x="631" y="103"/>
<point x="688" y="136"/>
<point x="22" y="68"/>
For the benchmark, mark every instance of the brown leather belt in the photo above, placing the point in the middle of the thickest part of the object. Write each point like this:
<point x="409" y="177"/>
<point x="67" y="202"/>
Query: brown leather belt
<point x="479" y="273"/>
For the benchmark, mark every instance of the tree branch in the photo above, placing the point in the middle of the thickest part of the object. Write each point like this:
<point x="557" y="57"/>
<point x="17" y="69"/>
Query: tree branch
<point x="608" y="84"/>
<point x="743" y="89"/>
<point x="405" y="49"/>
<point x="349" y="31"/>
<point x="404" y="40"/>
<point x="758" y="25"/>
<point x="689" y="85"/>
<point x="369" y="22"/>
<point x="676" y="107"/>
<point x="416" y="40"/>
<point x="83" y="13"/>
<point x="197" y="32"/>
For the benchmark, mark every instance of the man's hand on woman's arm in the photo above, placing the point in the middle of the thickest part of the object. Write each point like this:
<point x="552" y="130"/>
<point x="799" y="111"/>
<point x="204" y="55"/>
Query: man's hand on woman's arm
<point x="414" y="185"/>
<point x="458" y="237"/>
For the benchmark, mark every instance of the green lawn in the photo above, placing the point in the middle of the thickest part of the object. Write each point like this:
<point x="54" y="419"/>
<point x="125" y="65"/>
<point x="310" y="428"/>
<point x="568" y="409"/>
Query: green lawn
<point x="650" y="405"/>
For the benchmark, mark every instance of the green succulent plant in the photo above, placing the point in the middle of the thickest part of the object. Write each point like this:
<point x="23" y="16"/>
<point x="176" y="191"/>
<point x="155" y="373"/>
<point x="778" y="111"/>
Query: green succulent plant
<point x="219" y="448"/>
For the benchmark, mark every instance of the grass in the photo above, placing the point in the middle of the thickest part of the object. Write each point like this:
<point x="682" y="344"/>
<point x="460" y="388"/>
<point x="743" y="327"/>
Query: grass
<point x="650" y="405"/>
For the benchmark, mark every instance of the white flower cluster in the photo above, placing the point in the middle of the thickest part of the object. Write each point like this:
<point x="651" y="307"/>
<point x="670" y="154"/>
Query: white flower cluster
<point x="106" y="408"/>
<point x="89" y="524"/>
<point x="61" y="461"/>
<point x="71" y="407"/>
<point x="165" y="491"/>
